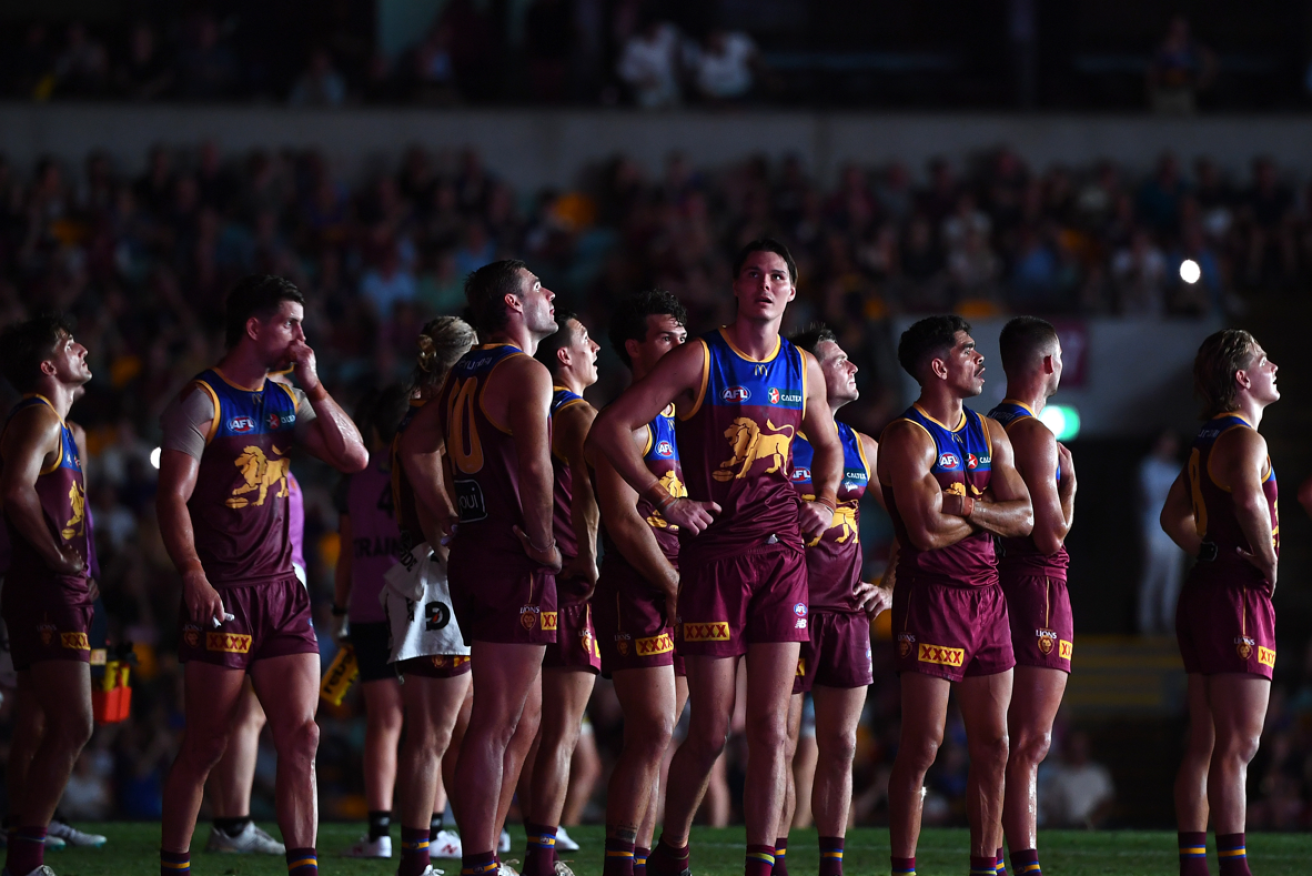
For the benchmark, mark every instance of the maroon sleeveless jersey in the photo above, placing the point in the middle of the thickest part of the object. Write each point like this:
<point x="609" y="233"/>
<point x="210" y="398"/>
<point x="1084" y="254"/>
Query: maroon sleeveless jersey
<point x="962" y="465"/>
<point x="239" y="508"/>
<point x="735" y="444"/>
<point x="61" y="489"/>
<point x="661" y="456"/>
<point x="562" y="499"/>
<point x="833" y="559"/>
<point x="484" y="465"/>
<point x="1021" y="555"/>
<point x="1214" y="506"/>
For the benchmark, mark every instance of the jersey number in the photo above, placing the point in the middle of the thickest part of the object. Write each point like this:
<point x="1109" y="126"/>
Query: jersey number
<point x="1196" y="491"/>
<point x="386" y="501"/>
<point x="462" y="440"/>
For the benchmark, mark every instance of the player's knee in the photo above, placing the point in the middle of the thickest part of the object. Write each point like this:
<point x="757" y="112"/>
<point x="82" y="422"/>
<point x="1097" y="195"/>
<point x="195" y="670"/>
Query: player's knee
<point x="1241" y="745"/>
<point x="203" y="749"/>
<point x="707" y="743"/>
<point x="299" y="740"/>
<point x="919" y="753"/>
<point x="837" y="746"/>
<point x="71" y="729"/>
<point x="769" y="730"/>
<point x="652" y="737"/>
<point x="990" y="749"/>
<point x="1031" y="747"/>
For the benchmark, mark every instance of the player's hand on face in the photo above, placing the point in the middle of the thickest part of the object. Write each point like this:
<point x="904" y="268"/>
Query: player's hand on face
<point x="70" y="562"/>
<point x="815" y="519"/>
<point x="203" y="602"/>
<point x="301" y="357"/>
<point x="690" y="514"/>
<point x="550" y="557"/>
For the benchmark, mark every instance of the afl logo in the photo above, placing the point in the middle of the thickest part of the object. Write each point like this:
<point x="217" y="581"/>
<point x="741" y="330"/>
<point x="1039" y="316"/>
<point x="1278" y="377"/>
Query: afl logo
<point x="800" y="609"/>
<point x="801" y="474"/>
<point x="948" y="460"/>
<point x="971" y="461"/>
<point x="664" y="448"/>
<point x="241" y="425"/>
<point x="737" y="393"/>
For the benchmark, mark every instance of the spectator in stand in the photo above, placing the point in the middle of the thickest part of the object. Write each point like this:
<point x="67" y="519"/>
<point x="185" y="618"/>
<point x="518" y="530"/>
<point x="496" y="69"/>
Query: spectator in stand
<point x="82" y="68"/>
<point x="1180" y="70"/>
<point x="431" y="70"/>
<point x="894" y="194"/>
<point x="207" y="69"/>
<point x="650" y="65"/>
<point x="726" y="68"/>
<point x="1158" y="202"/>
<point x="1216" y="200"/>
<point x="1078" y="791"/>
<point x="320" y="85"/>
<point x="387" y="282"/>
<point x="1139" y="273"/>
<point x="145" y="74"/>
<point x="1163" y="562"/>
<point x="1267" y="213"/>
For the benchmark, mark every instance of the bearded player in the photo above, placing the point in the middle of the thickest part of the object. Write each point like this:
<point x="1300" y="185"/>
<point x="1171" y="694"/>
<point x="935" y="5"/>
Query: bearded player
<point x="835" y="664"/>
<point x="637" y="594"/>
<point x="742" y="394"/>
<point x="224" y="518"/>
<point x="1032" y="571"/>
<point x="494" y="413"/>
<point x="951" y="485"/>
<point x="47" y="599"/>
<point x="1222" y="510"/>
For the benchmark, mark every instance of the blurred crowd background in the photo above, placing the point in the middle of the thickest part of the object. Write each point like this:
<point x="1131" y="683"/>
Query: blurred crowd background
<point x="143" y="260"/>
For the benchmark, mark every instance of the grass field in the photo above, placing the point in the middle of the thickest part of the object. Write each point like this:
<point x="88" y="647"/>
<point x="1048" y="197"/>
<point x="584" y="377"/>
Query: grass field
<point x="134" y="848"/>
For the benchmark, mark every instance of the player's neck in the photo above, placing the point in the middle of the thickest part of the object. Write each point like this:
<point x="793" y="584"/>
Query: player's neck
<point x="1031" y="395"/>
<point x="239" y="366"/>
<point x="944" y="407"/>
<point x="755" y="339"/>
<point x="571" y="381"/>
<point x="1250" y="409"/>
<point x="60" y="395"/>
<point x="517" y="335"/>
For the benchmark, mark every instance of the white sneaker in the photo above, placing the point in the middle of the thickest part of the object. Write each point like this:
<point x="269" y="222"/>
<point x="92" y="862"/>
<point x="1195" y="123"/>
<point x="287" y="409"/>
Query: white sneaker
<point x="252" y="839"/>
<point x="69" y="834"/>
<point x="447" y="845"/>
<point x="561" y="868"/>
<point x="503" y="844"/>
<point x="430" y="870"/>
<point x="505" y="869"/>
<point x="43" y="870"/>
<point x="367" y="848"/>
<point x="564" y="843"/>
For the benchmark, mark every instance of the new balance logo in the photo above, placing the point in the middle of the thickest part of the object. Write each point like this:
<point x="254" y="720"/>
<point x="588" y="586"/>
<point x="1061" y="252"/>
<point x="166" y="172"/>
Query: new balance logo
<point x="941" y="655"/>
<point x="653" y="645"/>
<point x="712" y="632"/>
<point x="227" y="643"/>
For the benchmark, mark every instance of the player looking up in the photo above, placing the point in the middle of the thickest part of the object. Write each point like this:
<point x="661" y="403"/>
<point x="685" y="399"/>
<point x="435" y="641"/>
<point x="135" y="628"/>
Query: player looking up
<point x="1222" y="510"/>
<point x="951" y="485"/>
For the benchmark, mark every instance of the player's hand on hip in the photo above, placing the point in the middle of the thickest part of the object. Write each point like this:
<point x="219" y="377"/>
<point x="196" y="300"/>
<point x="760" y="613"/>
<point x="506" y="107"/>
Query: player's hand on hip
<point x="548" y="556"/>
<point x="1268" y="570"/>
<point x="878" y="599"/>
<point x="69" y="562"/>
<point x="203" y="601"/>
<point x="690" y="514"/>
<point x="581" y="568"/>
<point x="815" y="518"/>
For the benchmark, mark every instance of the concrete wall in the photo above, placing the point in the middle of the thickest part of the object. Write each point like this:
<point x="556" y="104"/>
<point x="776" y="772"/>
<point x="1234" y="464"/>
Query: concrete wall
<point x="531" y="148"/>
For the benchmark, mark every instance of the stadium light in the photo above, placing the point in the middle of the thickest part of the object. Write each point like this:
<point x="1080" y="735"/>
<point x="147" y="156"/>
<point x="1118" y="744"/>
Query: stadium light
<point x="154" y="457"/>
<point x="1189" y="271"/>
<point x="1063" y="420"/>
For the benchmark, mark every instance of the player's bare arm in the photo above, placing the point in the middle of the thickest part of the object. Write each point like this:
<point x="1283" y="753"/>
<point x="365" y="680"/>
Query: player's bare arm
<point x="632" y="534"/>
<point x="827" y="465"/>
<point x="1241" y="457"/>
<point x="1009" y="513"/>
<point x="1177" y="518"/>
<point x="419" y="452"/>
<point x="676" y="378"/>
<point x="332" y="437"/>
<point x="1038" y="456"/>
<point x="524" y="386"/>
<point x="31" y="442"/>
<point x="177" y="481"/>
<point x="569" y="434"/>
<point x="905" y="465"/>
<point x="876" y="598"/>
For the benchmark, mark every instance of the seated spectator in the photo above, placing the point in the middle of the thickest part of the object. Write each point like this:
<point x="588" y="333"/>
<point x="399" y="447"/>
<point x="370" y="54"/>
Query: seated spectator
<point x="387" y="282"/>
<point x="1180" y="70"/>
<point x="146" y="74"/>
<point x="726" y="68"/>
<point x="1139" y="273"/>
<point x="1158" y="201"/>
<point x="1267" y="213"/>
<point x="82" y="68"/>
<point x="320" y="85"/>
<point x="974" y="267"/>
<point x="432" y="73"/>
<point x="964" y="220"/>
<point x="649" y="65"/>
<point x="207" y="69"/>
<point x="1078" y="792"/>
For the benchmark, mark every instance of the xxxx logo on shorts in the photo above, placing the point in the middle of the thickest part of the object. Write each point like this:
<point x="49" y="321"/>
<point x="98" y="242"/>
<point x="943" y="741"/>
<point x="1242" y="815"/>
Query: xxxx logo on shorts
<point x="904" y="643"/>
<point x="550" y="620"/>
<point x="1266" y="656"/>
<point x="717" y="631"/>
<point x="801" y="667"/>
<point x="653" y="645"/>
<point x="1046" y="639"/>
<point x="942" y="655"/>
<point x="1244" y="647"/>
<point x="74" y="641"/>
<point x="1064" y="649"/>
<point x="228" y="643"/>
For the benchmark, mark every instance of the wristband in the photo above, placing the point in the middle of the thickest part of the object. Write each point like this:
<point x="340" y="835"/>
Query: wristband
<point x="827" y="502"/>
<point x="663" y="498"/>
<point x="338" y="611"/>
<point x="316" y="394"/>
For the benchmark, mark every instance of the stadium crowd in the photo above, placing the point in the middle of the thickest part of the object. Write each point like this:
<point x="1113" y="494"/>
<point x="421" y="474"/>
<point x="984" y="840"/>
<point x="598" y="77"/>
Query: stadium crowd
<point x="143" y="263"/>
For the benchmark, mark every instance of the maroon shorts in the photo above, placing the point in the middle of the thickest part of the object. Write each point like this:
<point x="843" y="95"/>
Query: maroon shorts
<point x="511" y="606"/>
<point x="270" y="620"/>
<point x="630" y="617"/>
<point x="750" y="598"/>
<point x="951" y="632"/>
<point x="576" y="639"/>
<point x="436" y="666"/>
<point x="838" y="654"/>
<point x="1223" y="626"/>
<point x="1042" y="628"/>
<point x="47" y="620"/>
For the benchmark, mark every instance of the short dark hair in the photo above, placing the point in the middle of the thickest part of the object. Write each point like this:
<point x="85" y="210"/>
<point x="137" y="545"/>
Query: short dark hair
<point x="1221" y="356"/>
<point x="931" y="336"/>
<point x="629" y="321"/>
<point x="25" y="345"/>
<point x="486" y="289"/>
<point x="562" y="337"/>
<point x="765" y="244"/>
<point x="811" y="337"/>
<point x="1021" y="338"/>
<point x="257" y="295"/>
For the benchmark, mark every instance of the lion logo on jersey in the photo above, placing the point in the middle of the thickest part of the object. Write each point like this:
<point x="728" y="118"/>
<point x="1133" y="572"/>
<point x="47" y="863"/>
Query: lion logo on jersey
<point x="260" y="473"/>
<point x="844" y="517"/>
<point x="749" y="444"/>
<point x="77" y="499"/>
<point x="672" y="485"/>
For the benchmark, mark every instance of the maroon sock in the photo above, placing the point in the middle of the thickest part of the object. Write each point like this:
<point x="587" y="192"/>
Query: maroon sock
<point x="540" y="860"/>
<point x="619" y="858"/>
<point x="1024" y="863"/>
<point x="174" y="863"/>
<point x="781" y="856"/>
<point x="1234" y="856"/>
<point x="27" y="846"/>
<point x="667" y="860"/>
<point x="414" y="851"/>
<point x="983" y="865"/>
<point x="760" y="860"/>
<point x="640" y="855"/>
<point x="904" y="866"/>
<point x="831" y="856"/>
<point x="1002" y="862"/>
<point x="478" y="864"/>
<point x="1193" y="853"/>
